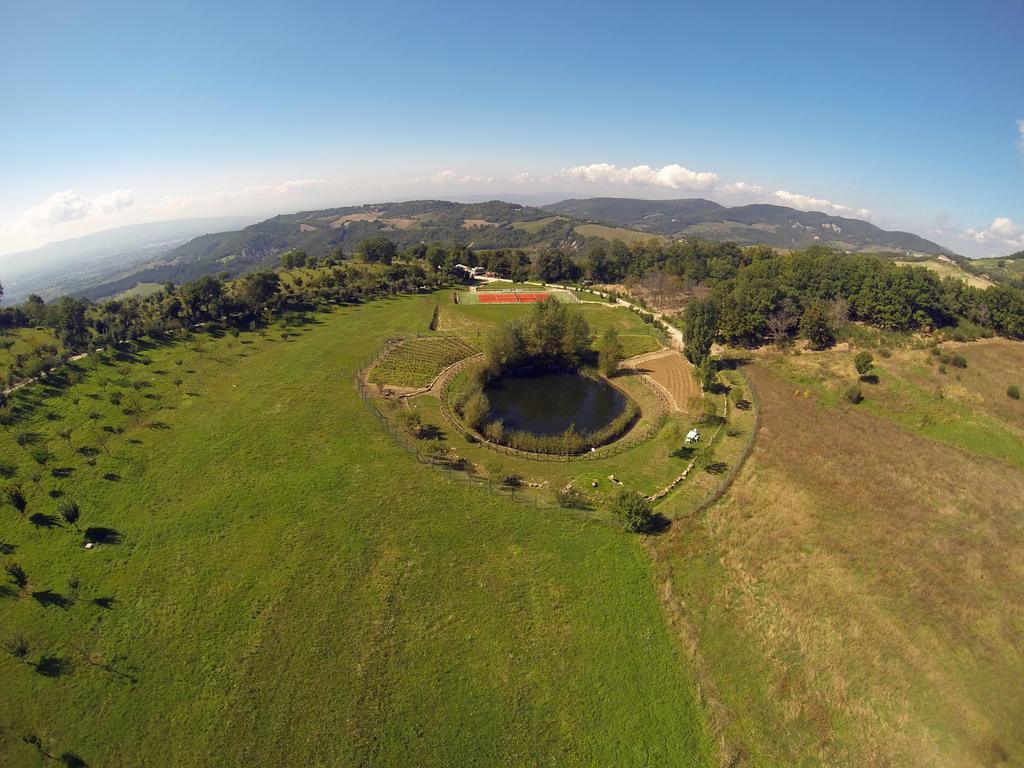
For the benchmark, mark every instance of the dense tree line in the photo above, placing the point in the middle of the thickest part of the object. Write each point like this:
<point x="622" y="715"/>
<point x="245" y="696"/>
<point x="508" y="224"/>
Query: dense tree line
<point x="248" y="301"/>
<point x="745" y="295"/>
<point x="756" y="294"/>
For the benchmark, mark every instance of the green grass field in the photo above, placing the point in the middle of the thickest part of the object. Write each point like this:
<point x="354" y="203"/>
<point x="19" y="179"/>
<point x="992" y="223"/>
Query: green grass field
<point x="614" y="233"/>
<point x="140" y="291"/>
<point x="473" y="318"/>
<point x="537" y="225"/>
<point x="21" y="341"/>
<point x="291" y="588"/>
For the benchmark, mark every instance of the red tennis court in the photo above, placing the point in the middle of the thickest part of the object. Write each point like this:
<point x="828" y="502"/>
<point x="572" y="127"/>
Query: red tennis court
<point x="489" y="297"/>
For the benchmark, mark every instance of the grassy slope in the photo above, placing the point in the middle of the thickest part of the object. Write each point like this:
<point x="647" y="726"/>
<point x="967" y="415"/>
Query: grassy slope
<point x="949" y="269"/>
<point x="614" y="233"/>
<point x="1002" y="268"/>
<point x="24" y="341"/>
<point x="282" y="599"/>
<point x="473" y="318"/>
<point x="140" y="290"/>
<point x="857" y="599"/>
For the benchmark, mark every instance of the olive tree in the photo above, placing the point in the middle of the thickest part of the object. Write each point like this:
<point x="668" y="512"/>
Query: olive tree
<point x="863" y="362"/>
<point x="633" y="511"/>
<point x="15" y="496"/>
<point x="17" y="575"/>
<point x="70" y="512"/>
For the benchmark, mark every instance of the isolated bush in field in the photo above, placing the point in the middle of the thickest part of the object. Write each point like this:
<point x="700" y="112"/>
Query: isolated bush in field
<point x="6" y="415"/>
<point x="410" y="421"/>
<point x="853" y="394"/>
<point x="736" y="395"/>
<point x="1013" y="392"/>
<point x="571" y="498"/>
<point x="17" y="646"/>
<point x="7" y="469"/>
<point x="15" y="496"/>
<point x="17" y="575"/>
<point x="437" y="450"/>
<point x="41" y="455"/>
<point x="863" y="362"/>
<point x="884" y="352"/>
<point x="70" y="512"/>
<point x="633" y="511"/>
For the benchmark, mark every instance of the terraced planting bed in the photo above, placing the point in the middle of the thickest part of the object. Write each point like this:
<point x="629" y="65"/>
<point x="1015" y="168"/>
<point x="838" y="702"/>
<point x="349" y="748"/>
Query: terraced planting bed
<point x="675" y="374"/>
<point x="416" y="362"/>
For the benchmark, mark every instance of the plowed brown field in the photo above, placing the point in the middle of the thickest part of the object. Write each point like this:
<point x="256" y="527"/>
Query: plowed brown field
<point x="673" y="373"/>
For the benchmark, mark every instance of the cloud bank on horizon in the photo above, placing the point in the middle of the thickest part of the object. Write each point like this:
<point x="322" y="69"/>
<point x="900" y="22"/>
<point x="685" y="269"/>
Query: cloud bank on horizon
<point x="69" y="213"/>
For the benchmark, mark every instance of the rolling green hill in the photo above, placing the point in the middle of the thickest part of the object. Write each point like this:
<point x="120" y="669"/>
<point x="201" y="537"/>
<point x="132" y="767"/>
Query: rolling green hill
<point x="774" y="225"/>
<point x="319" y="233"/>
<point x="499" y="224"/>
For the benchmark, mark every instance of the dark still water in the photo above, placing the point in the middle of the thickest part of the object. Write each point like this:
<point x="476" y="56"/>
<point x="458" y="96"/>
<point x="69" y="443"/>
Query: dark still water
<point x="548" y="404"/>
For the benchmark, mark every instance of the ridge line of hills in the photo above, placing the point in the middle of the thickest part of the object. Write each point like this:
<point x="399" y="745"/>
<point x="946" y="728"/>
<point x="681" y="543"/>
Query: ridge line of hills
<point x="495" y="224"/>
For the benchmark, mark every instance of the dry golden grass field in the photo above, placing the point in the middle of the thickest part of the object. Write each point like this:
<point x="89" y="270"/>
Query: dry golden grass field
<point x="858" y="597"/>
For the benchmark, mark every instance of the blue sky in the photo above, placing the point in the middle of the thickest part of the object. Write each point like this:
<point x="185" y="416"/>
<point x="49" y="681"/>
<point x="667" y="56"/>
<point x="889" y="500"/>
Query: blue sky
<point x="907" y="113"/>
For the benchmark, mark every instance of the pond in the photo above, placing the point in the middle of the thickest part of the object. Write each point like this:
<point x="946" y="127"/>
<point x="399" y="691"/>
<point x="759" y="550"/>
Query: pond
<point x="547" y="404"/>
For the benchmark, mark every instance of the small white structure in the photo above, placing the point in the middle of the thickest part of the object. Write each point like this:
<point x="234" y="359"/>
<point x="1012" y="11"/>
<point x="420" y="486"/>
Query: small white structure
<point x="693" y="435"/>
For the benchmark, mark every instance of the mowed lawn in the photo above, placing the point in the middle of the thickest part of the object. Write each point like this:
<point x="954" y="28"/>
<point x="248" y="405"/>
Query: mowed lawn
<point x="291" y="588"/>
<point x="477" y="320"/>
<point x="857" y="598"/>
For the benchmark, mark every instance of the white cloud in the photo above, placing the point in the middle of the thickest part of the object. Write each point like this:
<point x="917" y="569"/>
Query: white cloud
<point x="808" y="203"/>
<point x="454" y="177"/>
<point x="62" y="207"/>
<point x="1005" y="227"/>
<point x="526" y="177"/>
<point x="1002" y="235"/>
<point x="56" y="209"/>
<point x="741" y="188"/>
<point x="304" y="185"/>
<point x="1020" y="135"/>
<point x="671" y="176"/>
<point x="251" y="193"/>
<point x="114" y="202"/>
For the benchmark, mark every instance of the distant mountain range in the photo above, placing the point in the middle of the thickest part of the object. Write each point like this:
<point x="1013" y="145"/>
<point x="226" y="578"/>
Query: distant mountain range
<point x="108" y="263"/>
<point x="74" y="266"/>
<point x="774" y="225"/>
